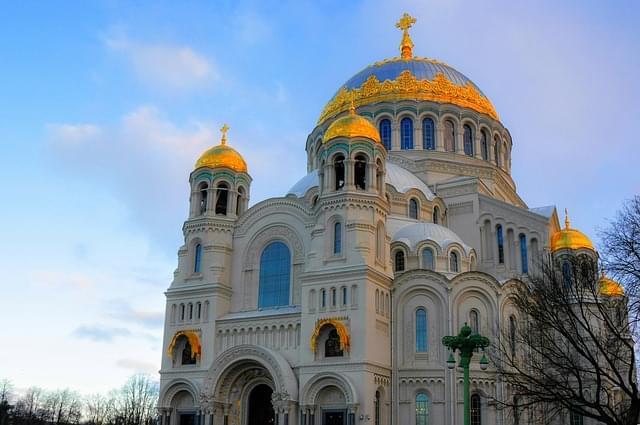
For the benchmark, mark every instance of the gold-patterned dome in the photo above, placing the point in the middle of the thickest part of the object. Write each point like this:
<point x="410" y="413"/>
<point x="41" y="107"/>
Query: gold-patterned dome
<point x="222" y="156"/>
<point x="610" y="287"/>
<point x="408" y="77"/>
<point x="352" y="125"/>
<point x="569" y="238"/>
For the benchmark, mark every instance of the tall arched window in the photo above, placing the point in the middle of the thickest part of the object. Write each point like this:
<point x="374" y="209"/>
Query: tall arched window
<point x="337" y="238"/>
<point x="380" y="236"/>
<point x="344" y="295"/>
<point x="575" y="418"/>
<point x="204" y="192"/>
<point x="428" y="134"/>
<point x="484" y="145"/>
<point x="449" y="136"/>
<point x="436" y="215"/>
<point x="222" y="198"/>
<point x="524" y="258"/>
<point x="421" y="330"/>
<point x="323" y="298"/>
<point x="496" y="151"/>
<point x="338" y="167"/>
<point x="454" y="264"/>
<point x="422" y="409"/>
<point x="197" y="259"/>
<point x="377" y="409"/>
<point x="427" y="259"/>
<point x="474" y="322"/>
<point x="399" y="261"/>
<point x="468" y="140"/>
<point x="385" y="133"/>
<point x="476" y="412"/>
<point x="512" y="335"/>
<point x="500" y="240"/>
<point x="406" y="133"/>
<point x="275" y="276"/>
<point x="413" y="208"/>
<point x="360" y="172"/>
<point x="566" y="274"/>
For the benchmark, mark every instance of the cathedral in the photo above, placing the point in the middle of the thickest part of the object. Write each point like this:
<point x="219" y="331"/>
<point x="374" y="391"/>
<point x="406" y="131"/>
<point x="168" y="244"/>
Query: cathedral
<point x="328" y="305"/>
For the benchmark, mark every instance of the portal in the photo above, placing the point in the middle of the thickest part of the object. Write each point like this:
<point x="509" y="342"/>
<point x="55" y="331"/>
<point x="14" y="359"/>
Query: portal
<point x="260" y="407"/>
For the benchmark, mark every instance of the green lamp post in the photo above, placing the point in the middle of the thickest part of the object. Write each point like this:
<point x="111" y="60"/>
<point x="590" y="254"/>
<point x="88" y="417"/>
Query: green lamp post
<point x="465" y="343"/>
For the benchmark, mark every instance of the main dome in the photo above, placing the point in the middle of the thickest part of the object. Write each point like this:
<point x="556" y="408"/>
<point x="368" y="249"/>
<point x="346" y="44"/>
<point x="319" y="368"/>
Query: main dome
<point x="409" y="78"/>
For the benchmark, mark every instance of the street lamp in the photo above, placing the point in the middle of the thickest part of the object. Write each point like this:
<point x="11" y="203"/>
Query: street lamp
<point x="465" y="343"/>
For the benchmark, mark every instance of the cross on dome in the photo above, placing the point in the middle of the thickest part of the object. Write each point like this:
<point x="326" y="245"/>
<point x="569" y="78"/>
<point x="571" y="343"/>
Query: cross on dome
<point x="224" y="130"/>
<point x="406" y="45"/>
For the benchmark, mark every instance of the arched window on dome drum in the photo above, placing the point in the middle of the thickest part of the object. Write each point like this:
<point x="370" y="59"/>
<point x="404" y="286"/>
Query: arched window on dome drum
<point x="413" y="208"/>
<point x="338" y="166"/>
<point x="428" y="134"/>
<point x="222" y="198"/>
<point x="454" y="265"/>
<point x="422" y="409"/>
<point x="197" y="259"/>
<point x="476" y="410"/>
<point x="467" y="138"/>
<point x="500" y="240"/>
<point x="512" y="335"/>
<point x="436" y="215"/>
<point x="524" y="257"/>
<point x="360" y="172"/>
<point x="204" y="192"/>
<point x="427" y="259"/>
<point x="566" y="274"/>
<point x="385" y="133"/>
<point x="421" y="330"/>
<point x="399" y="261"/>
<point x="484" y="145"/>
<point x="406" y="133"/>
<point x="337" y="238"/>
<point x="275" y="276"/>
<point x="449" y="136"/>
<point x="496" y="151"/>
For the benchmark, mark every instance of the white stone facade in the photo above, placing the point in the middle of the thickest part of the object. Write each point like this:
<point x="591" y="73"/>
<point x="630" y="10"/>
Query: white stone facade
<point x="410" y="200"/>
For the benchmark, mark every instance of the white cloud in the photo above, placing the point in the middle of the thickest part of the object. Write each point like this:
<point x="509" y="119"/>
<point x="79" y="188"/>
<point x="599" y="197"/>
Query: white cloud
<point x="166" y="66"/>
<point x="55" y="278"/>
<point x="100" y="333"/>
<point x="138" y="366"/>
<point x="73" y="134"/>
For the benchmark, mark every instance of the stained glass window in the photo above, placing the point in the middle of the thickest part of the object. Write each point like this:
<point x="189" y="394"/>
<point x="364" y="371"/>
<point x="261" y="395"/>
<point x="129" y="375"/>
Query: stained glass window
<point x="500" y="238"/>
<point x="406" y="133"/>
<point x="197" y="259"/>
<point x="476" y="413"/>
<point x="413" y="208"/>
<point x="337" y="238"/>
<point x="399" y="261"/>
<point x="468" y="140"/>
<point x="523" y="254"/>
<point x="422" y="409"/>
<point x="428" y="134"/>
<point x="427" y="259"/>
<point x="275" y="275"/>
<point x="385" y="133"/>
<point x="421" y="330"/>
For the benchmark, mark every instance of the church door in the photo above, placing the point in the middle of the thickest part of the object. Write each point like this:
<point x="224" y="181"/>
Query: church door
<point x="260" y="407"/>
<point x="333" y="417"/>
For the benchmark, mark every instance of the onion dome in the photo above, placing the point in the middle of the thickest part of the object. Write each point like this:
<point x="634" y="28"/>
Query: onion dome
<point x="569" y="238"/>
<point x="408" y="77"/>
<point x="610" y="287"/>
<point x="352" y="125"/>
<point x="222" y="156"/>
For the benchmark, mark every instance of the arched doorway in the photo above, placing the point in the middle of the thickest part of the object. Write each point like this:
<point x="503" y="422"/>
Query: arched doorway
<point x="260" y="407"/>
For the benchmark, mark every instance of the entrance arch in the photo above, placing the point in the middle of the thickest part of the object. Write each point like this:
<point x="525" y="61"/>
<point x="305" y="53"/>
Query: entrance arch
<point x="260" y="408"/>
<point x="330" y="399"/>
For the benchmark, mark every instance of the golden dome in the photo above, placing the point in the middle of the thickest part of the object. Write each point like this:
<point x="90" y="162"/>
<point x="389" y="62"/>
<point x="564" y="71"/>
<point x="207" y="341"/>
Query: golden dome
<point x="569" y="238"/>
<point x="610" y="287"/>
<point x="352" y="125"/>
<point x="222" y="156"/>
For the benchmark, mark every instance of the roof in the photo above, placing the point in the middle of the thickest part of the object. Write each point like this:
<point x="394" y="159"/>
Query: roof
<point x="413" y="234"/>
<point x="546" y="211"/>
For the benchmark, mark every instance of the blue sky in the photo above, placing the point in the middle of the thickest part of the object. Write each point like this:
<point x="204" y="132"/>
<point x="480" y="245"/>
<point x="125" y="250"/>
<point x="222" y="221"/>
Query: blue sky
<point x="105" y="106"/>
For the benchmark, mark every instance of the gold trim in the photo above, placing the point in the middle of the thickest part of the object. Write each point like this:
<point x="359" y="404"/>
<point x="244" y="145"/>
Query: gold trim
<point x="194" y="341"/>
<point x="408" y="87"/>
<point x="343" y="333"/>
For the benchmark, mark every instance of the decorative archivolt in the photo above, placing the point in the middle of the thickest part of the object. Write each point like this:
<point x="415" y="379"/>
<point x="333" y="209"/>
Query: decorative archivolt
<point x="407" y="86"/>
<point x="194" y="341"/>
<point x="343" y="333"/>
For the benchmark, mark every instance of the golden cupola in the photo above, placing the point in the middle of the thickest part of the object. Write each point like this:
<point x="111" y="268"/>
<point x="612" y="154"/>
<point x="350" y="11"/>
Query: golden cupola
<point x="352" y="125"/>
<point x="222" y="156"/>
<point x="569" y="238"/>
<point x="609" y="287"/>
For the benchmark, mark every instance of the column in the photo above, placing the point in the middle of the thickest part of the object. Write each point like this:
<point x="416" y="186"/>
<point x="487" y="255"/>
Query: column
<point x="232" y="199"/>
<point x="459" y="139"/>
<point x="439" y="133"/>
<point x="477" y="150"/>
<point x="395" y="136"/>
<point x="492" y="155"/>
<point x="348" y="174"/>
<point x="371" y="177"/>
<point x="417" y="136"/>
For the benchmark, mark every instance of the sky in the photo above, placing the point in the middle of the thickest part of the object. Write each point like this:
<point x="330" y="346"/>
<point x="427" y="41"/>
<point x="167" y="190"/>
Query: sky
<point x="106" y="105"/>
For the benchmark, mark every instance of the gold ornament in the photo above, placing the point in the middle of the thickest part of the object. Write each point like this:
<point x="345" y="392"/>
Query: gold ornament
<point x="352" y="125"/>
<point x="194" y="341"/>
<point x="408" y="87"/>
<point x="609" y="287"/>
<point x="406" y="45"/>
<point x="343" y="333"/>
<point x="222" y="156"/>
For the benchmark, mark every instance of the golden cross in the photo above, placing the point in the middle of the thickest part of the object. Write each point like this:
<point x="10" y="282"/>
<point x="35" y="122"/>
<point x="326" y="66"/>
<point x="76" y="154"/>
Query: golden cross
<point x="224" y="130"/>
<point x="405" y="22"/>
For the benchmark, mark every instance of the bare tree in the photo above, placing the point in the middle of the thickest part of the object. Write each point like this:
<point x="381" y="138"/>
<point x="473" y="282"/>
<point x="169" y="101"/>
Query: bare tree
<point x="571" y="351"/>
<point x="100" y="409"/>
<point x="137" y="400"/>
<point x="29" y="407"/>
<point x="6" y="393"/>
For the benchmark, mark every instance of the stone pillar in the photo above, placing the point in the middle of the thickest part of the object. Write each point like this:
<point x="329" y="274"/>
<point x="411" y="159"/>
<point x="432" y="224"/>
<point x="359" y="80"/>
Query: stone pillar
<point x="439" y="133"/>
<point x="459" y="138"/>
<point x="371" y="177"/>
<point x="477" y="148"/>
<point x="492" y="155"/>
<point x="417" y="139"/>
<point x="395" y="136"/>
<point x="349" y="174"/>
